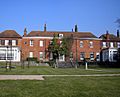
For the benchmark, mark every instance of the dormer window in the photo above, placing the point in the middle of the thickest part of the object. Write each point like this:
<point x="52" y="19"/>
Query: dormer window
<point x="60" y="35"/>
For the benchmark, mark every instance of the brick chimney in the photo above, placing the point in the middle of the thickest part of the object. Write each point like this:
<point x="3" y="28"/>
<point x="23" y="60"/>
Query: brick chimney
<point x="25" y="32"/>
<point x="118" y="34"/>
<point x="45" y="28"/>
<point x="76" y="28"/>
<point x="107" y="35"/>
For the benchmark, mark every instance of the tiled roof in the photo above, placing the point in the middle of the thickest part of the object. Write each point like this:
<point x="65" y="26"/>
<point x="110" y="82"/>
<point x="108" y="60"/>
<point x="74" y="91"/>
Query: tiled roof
<point x="111" y="37"/>
<point x="65" y="34"/>
<point x="9" y="34"/>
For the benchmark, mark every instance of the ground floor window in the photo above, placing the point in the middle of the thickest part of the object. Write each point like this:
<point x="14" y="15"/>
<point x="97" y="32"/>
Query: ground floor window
<point x="71" y="56"/>
<point x="41" y="55"/>
<point x="82" y="55"/>
<point x="30" y="54"/>
<point x="97" y="56"/>
<point x="92" y="56"/>
<point x="114" y="55"/>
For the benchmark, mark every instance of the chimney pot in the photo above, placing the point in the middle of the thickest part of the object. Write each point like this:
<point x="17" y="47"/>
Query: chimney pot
<point x="118" y="34"/>
<point x="107" y="35"/>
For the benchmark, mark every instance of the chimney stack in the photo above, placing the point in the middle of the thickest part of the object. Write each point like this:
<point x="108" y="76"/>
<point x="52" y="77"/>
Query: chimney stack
<point x="45" y="28"/>
<point x="118" y="34"/>
<point x="25" y="32"/>
<point x="76" y="28"/>
<point x="107" y="35"/>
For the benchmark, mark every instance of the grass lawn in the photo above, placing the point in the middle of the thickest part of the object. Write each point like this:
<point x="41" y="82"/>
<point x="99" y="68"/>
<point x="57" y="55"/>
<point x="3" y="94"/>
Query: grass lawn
<point x="52" y="71"/>
<point x="62" y="87"/>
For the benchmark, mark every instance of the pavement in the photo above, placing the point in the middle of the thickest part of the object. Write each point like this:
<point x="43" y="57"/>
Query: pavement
<point x="41" y="77"/>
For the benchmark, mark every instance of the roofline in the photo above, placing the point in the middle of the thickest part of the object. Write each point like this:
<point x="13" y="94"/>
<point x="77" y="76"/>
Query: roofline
<point x="42" y="37"/>
<point x="89" y="38"/>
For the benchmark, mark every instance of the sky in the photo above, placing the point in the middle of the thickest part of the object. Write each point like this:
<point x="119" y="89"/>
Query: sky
<point x="94" y="16"/>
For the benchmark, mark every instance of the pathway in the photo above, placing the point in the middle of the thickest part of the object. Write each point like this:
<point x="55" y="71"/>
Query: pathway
<point x="41" y="77"/>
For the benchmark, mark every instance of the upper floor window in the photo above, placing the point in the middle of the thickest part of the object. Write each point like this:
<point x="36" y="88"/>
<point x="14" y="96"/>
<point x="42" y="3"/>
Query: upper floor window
<point x="91" y="44"/>
<point x="2" y="42"/>
<point x="41" y="43"/>
<point x="111" y="44"/>
<point x="31" y="42"/>
<point x="6" y="42"/>
<point x="81" y="43"/>
<point x="13" y="42"/>
<point x="118" y="44"/>
<point x="60" y="35"/>
<point x="104" y="44"/>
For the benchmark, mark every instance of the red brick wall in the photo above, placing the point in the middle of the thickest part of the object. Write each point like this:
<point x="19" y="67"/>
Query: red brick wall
<point x="26" y="48"/>
<point x="86" y="48"/>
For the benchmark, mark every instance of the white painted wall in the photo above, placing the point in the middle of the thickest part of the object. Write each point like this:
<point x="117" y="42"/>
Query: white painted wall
<point x="6" y="51"/>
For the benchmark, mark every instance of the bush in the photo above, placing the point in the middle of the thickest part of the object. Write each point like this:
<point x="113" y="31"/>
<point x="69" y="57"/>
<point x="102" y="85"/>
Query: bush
<point x="32" y="59"/>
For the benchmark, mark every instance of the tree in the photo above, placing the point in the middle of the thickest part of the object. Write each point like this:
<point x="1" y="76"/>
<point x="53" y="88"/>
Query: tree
<point x="53" y="49"/>
<point x="58" y="49"/>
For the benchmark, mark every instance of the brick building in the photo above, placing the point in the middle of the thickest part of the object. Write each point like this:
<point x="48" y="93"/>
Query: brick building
<point x="35" y="44"/>
<point x="85" y="45"/>
<point x="10" y="46"/>
<point x="109" y="46"/>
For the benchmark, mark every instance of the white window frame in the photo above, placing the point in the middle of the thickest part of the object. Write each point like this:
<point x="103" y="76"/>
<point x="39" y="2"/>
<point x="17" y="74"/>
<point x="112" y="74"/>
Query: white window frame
<point x="81" y="44"/>
<point x="61" y="57"/>
<point x="31" y="54"/>
<point x="60" y="35"/>
<point x="91" y="58"/>
<point x="82" y="58"/>
<point x="6" y="42"/>
<point x="13" y="42"/>
<point x="118" y="45"/>
<point x="91" y="44"/>
<point x="104" y="44"/>
<point x="111" y="44"/>
<point x="31" y="42"/>
<point x="41" y="54"/>
<point x="41" y="43"/>
<point x="97" y="55"/>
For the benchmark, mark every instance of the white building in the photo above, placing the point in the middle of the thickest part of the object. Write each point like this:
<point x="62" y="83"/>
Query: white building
<point x="109" y="54"/>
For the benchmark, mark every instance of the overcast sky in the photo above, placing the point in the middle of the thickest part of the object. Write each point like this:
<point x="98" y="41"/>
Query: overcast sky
<point x="95" y="16"/>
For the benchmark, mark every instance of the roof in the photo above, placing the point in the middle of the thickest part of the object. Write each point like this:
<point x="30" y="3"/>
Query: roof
<point x="111" y="37"/>
<point x="65" y="34"/>
<point x="9" y="34"/>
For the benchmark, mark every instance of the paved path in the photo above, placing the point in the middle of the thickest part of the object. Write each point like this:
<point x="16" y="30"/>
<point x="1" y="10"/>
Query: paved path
<point x="41" y="77"/>
<point x="21" y="77"/>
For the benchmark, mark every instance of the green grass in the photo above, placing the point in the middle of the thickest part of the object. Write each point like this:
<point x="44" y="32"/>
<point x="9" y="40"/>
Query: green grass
<point x="58" y="71"/>
<point x="62" y="87"/>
